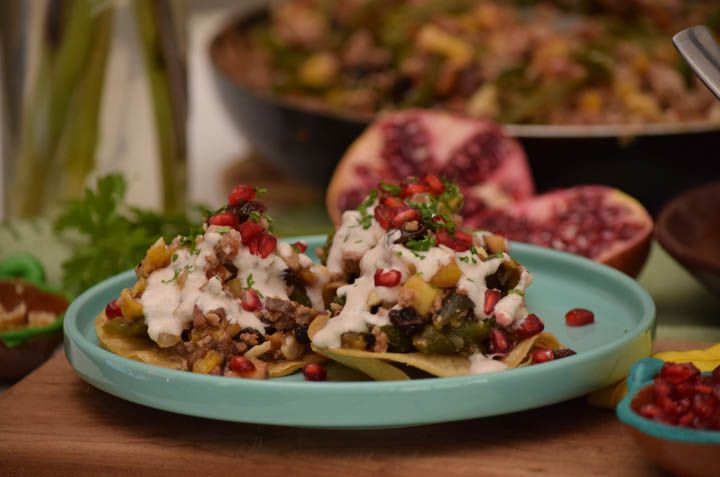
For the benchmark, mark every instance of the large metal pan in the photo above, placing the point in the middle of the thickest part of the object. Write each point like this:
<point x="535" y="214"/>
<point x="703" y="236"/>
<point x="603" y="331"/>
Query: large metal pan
<point x="651" y="162"/>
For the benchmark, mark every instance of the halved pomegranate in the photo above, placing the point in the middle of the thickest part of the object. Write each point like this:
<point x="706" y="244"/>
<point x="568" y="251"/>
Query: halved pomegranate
<point x="595" y="221"/>
<point x="490" y="167"/>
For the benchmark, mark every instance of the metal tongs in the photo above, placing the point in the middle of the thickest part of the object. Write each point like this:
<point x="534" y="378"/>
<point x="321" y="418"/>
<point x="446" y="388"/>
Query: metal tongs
<point x="701" y="52"/>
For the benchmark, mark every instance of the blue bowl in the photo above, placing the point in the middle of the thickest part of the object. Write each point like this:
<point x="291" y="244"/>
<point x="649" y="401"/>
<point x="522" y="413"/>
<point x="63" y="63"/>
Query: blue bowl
<point x="680" y="450"/>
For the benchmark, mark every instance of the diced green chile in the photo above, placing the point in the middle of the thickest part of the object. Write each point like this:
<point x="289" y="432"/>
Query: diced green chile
<point x="125" y="327"/>
<point x="398" y="342"/>
<point x="453" y="309"/>
<point x="431" y="341"/>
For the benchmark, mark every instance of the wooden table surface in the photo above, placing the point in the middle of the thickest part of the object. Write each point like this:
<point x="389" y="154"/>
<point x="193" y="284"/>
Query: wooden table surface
<point x="53" y="423"/>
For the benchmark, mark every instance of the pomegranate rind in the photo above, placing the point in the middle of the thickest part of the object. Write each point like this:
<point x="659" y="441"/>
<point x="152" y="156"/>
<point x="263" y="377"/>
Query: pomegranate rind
<point x="144" y="350"/>
<point x="510" y="182"/>
<point x="376" y="365"/>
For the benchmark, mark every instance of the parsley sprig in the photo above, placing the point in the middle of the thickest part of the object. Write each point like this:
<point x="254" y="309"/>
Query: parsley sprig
<point x="106" y="237"/>
<point x="365" y="217"/>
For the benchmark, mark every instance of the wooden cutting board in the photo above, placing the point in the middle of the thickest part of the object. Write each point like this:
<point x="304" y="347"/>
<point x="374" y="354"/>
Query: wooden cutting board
<point x="53" y="423"/>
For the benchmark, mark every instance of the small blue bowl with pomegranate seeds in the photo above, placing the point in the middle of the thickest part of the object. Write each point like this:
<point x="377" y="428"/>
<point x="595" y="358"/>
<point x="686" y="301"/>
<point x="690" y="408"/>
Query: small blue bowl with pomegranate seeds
<point x="672" y="411"/>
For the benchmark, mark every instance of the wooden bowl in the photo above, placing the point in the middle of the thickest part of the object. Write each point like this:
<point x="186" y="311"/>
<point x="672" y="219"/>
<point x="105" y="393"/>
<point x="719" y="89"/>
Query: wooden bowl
<point x="689" y="229"/>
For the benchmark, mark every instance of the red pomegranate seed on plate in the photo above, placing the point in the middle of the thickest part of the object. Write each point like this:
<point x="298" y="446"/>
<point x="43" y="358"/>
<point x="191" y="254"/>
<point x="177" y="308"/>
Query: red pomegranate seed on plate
<point x="384" y="216"/>
<point x="300" y="247"/>
<point x="314" y="372"/>
<point x="393" y="202"/>
<point x="224" y="219"/>
<point x="404" y="215"/>
<point x="412" y="189"/>
<point x="241" y="193"/>
<point x="651" y="411"/>
<point x="435" y="184"/>
<point x="542" y="355"/>
<point x="388" y="279"/>
<point x="268" y="242"/>
<point x="112" y="310"/>
<point x="492" y="296"/>
<point x="579" y="317"/>
<point x="249" y="230"/>
<point x="251" y="300"/>
<point x="241" y="365"/>
<point x="499" y="341"/>
<point x="530" y="326"/>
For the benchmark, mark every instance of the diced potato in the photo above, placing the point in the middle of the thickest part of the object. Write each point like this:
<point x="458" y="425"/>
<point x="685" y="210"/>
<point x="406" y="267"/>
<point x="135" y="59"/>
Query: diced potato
<point x="447" y="276"/>
<point x="423" y="294"/>
<point x="157" y="256"/>
<point x="211" y="359"/>
<point x="495" y="243"/>
<point x="130" y="307"/>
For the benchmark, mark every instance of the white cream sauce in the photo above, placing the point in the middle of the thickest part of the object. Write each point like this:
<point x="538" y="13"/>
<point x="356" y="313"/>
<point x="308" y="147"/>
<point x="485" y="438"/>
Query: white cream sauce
<point x="352" y="239"/>
<point x="473" y="279"/>
<point x="481" y="364"/>
<point x="511" y="308"/>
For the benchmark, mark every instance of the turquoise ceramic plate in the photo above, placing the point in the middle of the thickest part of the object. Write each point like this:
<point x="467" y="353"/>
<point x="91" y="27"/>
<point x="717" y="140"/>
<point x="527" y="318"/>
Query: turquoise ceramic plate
<point x="621" y="335"/>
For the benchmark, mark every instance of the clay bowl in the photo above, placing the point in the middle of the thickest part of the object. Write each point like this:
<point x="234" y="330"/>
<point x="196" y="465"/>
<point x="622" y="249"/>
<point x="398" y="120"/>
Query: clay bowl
<point x="689" y="229"/>
<point x="23" y="350"/>
<point x="680" y="450"/>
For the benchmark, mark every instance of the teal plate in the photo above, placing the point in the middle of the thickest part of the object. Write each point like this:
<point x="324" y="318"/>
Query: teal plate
<point x="622" y="334"/>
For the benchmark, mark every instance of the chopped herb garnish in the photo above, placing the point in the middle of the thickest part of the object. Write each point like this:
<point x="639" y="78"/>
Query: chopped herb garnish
<point x="365" y="218"/>
<point x="391" y="188"/>
<point x="174" y="257"/>
<point x="260" y="190"/>
<point x="250" y="281"/>
<point x="178" y="271"/>
<point x="517" y="292"/>
<point x="222" y="230"/>
<point x="464" y="259"/>
<point x="255" y="216"/>
<point x="421" y="245"/>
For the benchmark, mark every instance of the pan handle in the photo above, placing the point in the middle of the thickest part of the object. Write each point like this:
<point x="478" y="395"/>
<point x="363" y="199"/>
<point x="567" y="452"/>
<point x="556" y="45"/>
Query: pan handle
<point x="701" y="52"/>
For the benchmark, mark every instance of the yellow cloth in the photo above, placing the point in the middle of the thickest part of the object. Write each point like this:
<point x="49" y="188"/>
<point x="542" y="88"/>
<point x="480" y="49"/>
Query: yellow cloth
<point x="705" y="359"/>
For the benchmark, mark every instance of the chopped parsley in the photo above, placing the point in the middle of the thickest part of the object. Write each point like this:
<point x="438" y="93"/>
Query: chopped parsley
<point x="421" y="245"/>
<point x="391" y="188"/>
<point x="250" y="281"/>
<point x="365" y="217"/>
<point x="223" y="229"/>
<point x="260" y="190"/>
<point x="178" y="271"/>
<point x="517" y="292"/>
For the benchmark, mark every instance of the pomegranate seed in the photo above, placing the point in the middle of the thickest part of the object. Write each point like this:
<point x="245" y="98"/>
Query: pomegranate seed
<point x="300" y="247"/>
<point x="704" y="406"/>
<point x="251" y="300"/>
<point x="314" y="372"/>
<point x="224" y="219"/>
<point x="393" y="202"/>
<point x="542" y="355"/>
<point x="435" y="184"/>
<point x="268" y="242"/>
<point x="241" y="193"/>
<point x="665" y="403"/>
<point x="384" y="216"/>
<point x="685" y="389"/>
<point x="530" y="326"/>
<point x="499" y="342"/>
<point x="388" y="279"/>
<point x="241" y="365"/>
<point x="579" y="317"/>
<point x="686" y="419"/>
<point x="404" y="215"/>
<point x="716" y="375"/>
<point x="112" y="310"/>
<point x="676" y="373"/>
<point x="651" y="411"/>
<point x="254" y="244"/>
<point x="662" y="389"/>
<point x="464" y="238"/>
<point x="492" y="296"/>
<point x="703" y="388"/>
<point x="412" y="189"/>
<point x="249" y="230"/>
<point x="563" y="353"/>
<point x="443" y="237"/>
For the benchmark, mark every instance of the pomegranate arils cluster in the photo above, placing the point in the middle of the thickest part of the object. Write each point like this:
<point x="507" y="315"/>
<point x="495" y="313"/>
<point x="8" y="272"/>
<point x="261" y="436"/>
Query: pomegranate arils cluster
<point x="244" y="214"/>
<point x="682" y="396"/>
